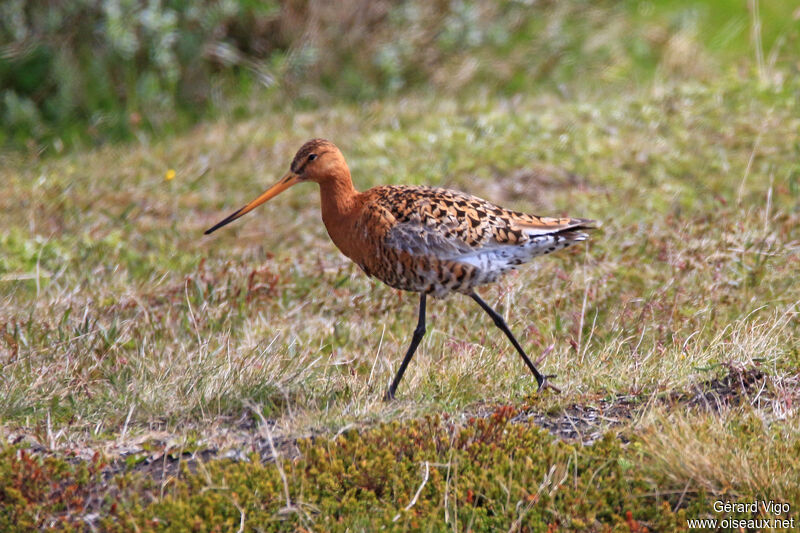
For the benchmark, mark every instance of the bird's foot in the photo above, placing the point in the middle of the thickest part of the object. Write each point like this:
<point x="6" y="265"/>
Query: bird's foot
<point x="545" y="384"/>
<point x="389" y="396"/>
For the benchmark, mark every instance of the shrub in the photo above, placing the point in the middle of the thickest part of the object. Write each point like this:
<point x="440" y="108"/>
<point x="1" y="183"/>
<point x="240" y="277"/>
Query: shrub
<point x="110" y="69"/>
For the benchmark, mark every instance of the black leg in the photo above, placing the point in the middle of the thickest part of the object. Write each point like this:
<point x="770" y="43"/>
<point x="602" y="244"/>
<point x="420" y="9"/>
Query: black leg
<point x="419" y="331"/>
<point x="500" y="323"/>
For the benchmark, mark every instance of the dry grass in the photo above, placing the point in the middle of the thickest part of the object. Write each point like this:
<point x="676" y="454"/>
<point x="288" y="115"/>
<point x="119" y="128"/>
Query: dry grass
<point x="134" y="311"/>
<point x="717" y="453"/>
<point x="120" y="322"/>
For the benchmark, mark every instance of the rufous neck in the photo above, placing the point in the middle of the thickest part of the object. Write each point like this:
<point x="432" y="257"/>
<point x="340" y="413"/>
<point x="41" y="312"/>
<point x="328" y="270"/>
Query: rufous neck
<point x="338" y="197"/>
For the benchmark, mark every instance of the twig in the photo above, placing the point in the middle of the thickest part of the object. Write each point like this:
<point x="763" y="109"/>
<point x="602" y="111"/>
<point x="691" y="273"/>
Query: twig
<point x="241" y="515"/>
<point x="545" y="353"/>
<point x="419" y="490"/>
<point x="280" y="468"/>
<point x="680" y="500"/>
<point x="127" y="421"/>
<point x="276" y="456"/>
<point x="447" y="485"/>
<point x="191" y="314"/>
<point x="750" y="163"/>
<point x="50" y="440"/>
<point x="377" y="354"/>
<point x="583" y="305"/>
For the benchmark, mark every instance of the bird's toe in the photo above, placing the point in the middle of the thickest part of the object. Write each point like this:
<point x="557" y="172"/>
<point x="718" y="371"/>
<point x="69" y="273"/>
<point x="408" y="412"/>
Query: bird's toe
<point x="545" y="384"/>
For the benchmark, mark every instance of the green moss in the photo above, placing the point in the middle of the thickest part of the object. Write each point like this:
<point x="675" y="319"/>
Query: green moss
<point x="488" y="474"/>
<point x="425" y="474"/>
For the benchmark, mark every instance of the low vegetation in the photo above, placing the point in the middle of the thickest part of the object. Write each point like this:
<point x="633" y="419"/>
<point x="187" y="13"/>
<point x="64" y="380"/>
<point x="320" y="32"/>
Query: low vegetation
<point x="424" y="474"/>
<point x="157" y="379"/>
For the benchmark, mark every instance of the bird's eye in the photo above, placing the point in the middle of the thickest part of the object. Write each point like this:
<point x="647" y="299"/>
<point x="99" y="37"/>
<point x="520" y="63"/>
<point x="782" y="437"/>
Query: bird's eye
<point x="312" y="157"/>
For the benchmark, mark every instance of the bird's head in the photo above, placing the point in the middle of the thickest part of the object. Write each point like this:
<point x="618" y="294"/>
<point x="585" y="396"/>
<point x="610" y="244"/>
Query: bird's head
<point x="317" y="160"/>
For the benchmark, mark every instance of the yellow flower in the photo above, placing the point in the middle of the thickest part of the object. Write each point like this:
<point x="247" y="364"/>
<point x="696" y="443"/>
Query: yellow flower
<point x="170" y="174"/>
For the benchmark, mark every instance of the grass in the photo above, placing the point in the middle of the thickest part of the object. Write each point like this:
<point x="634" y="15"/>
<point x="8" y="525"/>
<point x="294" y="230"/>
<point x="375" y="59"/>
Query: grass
<point x="126" y="335"/>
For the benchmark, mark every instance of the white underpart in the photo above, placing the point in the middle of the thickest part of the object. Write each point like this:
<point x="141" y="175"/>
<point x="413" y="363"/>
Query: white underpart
<point x="495" y="260"/>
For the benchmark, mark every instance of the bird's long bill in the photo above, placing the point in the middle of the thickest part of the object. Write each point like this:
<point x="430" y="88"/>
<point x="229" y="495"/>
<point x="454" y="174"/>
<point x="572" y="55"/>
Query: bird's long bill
<point x="285" y="182"/>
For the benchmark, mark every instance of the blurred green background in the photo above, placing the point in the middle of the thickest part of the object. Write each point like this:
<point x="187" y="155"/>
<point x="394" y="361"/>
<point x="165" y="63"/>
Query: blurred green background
<point x="92" y="71"/>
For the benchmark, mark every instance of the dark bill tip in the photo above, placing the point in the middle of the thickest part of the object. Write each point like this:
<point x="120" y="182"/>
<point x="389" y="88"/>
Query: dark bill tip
<point x="223" y="222"/>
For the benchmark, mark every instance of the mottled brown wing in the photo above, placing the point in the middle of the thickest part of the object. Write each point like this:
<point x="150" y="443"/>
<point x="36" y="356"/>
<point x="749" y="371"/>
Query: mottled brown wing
<point x="434" y="222"/>
<point x="449" y="224"/>
<point x="439" y="241"/>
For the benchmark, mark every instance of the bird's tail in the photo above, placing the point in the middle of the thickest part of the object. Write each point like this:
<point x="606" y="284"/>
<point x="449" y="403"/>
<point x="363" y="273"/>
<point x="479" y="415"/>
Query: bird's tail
<point x="575" y="230"/>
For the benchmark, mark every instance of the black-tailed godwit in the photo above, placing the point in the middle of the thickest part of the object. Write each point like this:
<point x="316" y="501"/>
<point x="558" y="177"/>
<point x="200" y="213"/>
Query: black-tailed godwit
<point x="423" y="239"/>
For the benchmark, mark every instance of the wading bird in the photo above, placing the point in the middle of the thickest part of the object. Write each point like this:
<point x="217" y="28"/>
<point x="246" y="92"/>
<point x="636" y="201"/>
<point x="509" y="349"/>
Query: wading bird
<point x="423" y="239"/>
